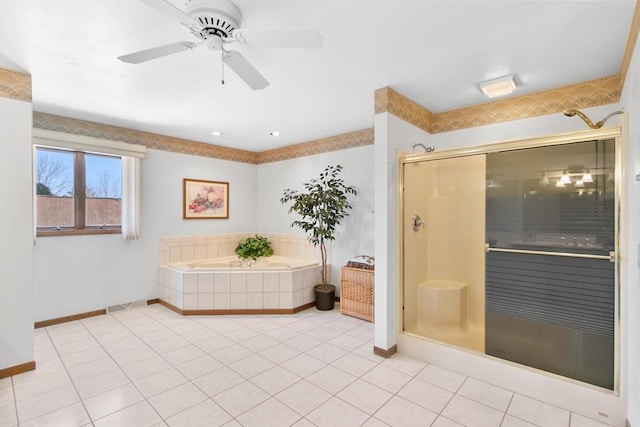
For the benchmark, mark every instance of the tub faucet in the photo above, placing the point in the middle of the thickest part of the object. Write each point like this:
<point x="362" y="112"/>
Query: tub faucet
<point x="239" y="264"/>
<point x="228" y="264"/>
<point x="249" y="264"/>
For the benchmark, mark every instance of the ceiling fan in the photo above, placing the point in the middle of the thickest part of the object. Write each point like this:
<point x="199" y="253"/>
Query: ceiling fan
<point x="216" y="23"/>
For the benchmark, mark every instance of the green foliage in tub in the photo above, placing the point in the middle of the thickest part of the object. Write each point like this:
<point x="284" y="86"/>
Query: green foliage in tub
<point x="254" y="247"/>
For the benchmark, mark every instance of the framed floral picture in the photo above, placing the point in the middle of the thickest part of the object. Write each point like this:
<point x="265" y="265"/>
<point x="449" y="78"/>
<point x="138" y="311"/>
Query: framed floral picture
<point x="205" y="199"/>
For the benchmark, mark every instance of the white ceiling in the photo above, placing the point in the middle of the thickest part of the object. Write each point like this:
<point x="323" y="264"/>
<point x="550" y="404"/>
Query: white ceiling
<point x="432" y="51"/>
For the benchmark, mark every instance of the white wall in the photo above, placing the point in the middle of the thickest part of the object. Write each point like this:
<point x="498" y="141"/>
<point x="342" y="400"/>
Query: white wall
<point x="630" y="236"/>
<point x="76" y="274"/>
<point x="355" y="235"/>
<point x="391" y="136"/>
<point x="16" y="234"/>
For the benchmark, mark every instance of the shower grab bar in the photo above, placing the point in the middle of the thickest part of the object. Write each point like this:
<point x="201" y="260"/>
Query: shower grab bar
<point x="611" y="257"/>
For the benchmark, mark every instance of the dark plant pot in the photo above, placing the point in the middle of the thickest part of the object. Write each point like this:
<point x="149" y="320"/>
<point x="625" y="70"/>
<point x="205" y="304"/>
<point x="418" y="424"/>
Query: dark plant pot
<point x="325" y="297"/>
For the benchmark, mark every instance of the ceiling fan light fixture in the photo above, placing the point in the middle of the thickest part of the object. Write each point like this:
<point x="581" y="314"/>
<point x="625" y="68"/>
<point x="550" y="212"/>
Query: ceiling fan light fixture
<point x="587" y="176"/>
<point x="565" y="178"/>
<point x="560" y="184"/>
<point x="498" y="87"/>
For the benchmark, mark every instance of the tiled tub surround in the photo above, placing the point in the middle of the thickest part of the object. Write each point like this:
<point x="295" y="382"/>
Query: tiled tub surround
<point x="231" y="289"/>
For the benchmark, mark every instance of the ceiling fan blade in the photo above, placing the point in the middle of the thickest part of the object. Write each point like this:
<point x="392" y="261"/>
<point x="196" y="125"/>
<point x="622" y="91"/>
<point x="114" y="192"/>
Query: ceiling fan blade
<point x="244" y="70"/>
<point x="306" y="39"/>
<point x="171" y="11"/>
<point x="156" y="52"/>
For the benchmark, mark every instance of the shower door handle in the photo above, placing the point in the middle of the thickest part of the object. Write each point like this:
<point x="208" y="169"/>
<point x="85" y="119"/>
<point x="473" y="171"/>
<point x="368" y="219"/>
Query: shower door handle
<point x="417" y="223"/>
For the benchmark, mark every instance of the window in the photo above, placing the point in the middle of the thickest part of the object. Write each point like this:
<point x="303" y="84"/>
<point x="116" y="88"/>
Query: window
<point x="77" y="192"/>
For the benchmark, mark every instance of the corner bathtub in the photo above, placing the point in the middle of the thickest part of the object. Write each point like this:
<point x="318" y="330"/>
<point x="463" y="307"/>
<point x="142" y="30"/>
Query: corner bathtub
<point x="272" y="285"/>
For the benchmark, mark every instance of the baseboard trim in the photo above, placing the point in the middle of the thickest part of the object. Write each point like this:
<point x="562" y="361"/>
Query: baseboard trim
<point x="236" y="311"/>
<point x="79" y="316"/>
<point x="18" y="369"/>
<point x="385" y="353"/>
<point x="64" y="319"/>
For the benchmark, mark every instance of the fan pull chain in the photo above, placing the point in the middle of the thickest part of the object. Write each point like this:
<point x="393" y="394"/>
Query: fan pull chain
<point x="222" y="64"/>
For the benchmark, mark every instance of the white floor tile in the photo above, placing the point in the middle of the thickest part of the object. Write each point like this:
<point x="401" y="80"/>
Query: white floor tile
<point x="364" y="396"/>
<point x="331" y="379"/>
<point x="134" y="356"/>
<point x="537" y="412"/>
<point x="251" y="366"/>
<point x="177" y="399"/>
<point x="303" y="342"/>
<point x="400" y="412"/>
<point x="327" y="353"/>
<point x="443" y="378"/>
<point x="446" y="422"/>
<point x="303" y="397"/>
<point x="6" y="395"/>
<point x="144" y="368"/>
<point x="311" y="368"/>
<point x="183" y="354"/>
<point x="270" y="413"/>
<point x="46" y="402"/>
<point x="472" y="414"/>
<point x="510" y="421"/>
<point x="240" y="398"/>
<point x="8" y="417"/>
<point x="337" y="413"/>
<point x="72" y="415"/>
<point x="354" y="364"/>
<point x="580" y="421"/>
<point x="198" y="367"/>
<point x="405" y="364"/>
<point x="427" y="395"/>
<point x="82" y="357"/>
<point x="303" y="365"/>
<point x="490" y="395"/>
<point x="204" y="414"/>
<point x="44" y="384"/>
<point x="279" y="353"/>
<point x="218" y="381"/>
<point x="386" y="378"/>
<point x="275" y="380"/>
<point x="231" y="354"/>
<point x="112" y="401"/>
<point x="160" y="382"/>
<point x="101" y="383"/>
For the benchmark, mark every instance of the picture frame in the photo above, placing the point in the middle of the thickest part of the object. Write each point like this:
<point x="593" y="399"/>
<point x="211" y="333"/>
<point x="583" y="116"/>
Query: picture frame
<point x="204" y="199"/>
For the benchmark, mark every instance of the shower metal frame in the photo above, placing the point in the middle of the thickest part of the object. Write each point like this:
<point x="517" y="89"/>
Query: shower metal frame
<point x="614" y="133"/>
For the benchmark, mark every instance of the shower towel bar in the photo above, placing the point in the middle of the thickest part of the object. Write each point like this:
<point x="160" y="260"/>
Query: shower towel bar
<point x="611" y="257"/>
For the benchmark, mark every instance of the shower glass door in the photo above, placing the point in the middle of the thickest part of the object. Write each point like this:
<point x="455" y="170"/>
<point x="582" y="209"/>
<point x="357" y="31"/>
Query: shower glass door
<point x="550" y="275"/>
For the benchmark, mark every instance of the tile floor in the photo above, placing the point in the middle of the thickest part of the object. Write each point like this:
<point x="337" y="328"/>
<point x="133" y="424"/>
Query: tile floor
<point x="152" y="367"/>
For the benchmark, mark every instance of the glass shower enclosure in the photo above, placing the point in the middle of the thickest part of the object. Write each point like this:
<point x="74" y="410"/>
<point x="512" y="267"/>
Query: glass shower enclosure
<point x="511" y="253"/>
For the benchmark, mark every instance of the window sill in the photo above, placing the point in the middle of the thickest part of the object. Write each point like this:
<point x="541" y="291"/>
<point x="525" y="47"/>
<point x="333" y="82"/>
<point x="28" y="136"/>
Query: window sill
<point x="77" y="232"/>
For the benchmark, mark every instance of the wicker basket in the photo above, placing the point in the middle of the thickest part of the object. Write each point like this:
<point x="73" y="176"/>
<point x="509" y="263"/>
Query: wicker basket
<point x="356" y="292"/>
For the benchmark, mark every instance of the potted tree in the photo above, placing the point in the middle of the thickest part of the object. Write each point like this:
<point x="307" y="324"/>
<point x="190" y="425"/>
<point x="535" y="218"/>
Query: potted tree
<point x="321" y="206"/>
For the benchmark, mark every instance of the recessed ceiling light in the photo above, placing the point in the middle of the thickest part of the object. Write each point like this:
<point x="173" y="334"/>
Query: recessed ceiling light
<point x="217" y="133"/>
<point x="498" y="87"/>
<point x="274" y="133"/>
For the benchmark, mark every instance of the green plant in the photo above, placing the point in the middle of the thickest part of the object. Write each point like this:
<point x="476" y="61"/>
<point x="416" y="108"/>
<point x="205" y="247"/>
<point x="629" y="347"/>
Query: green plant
<point x="322" y="205"/>
<point x="254" y="247"/>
